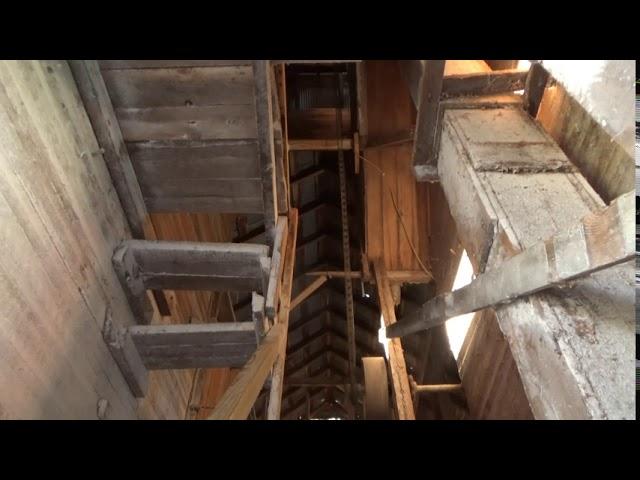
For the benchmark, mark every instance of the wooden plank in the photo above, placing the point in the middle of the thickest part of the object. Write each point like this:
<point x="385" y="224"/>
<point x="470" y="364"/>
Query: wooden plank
<point x="425" y="154"/>
<point x="600" y="240"/>
<point x="210" y="159"/>
<point x="483" y="83"/>
<point x="171" y="87"/>
<point x="105" y="126"/>
<point x="399" y="376"/>
<point x="217" y="345"/>
<point x="277" y="377"/>
<point x="126" y="355"/>
<point x="142" y="265"/>
<point x="537" y="80"/>
<point x="233" y="122"/>
<point x="356" y="152"/>
<point x="393" y="276"/>
<point x="277" y="266"/>
<point x="297" y="144"/>
<point x="127" y="64"/>
<point x="262" y="89"/>
<point x="318" y="122"/>
<point x="206" y="204"/>
<point x="187" y="188"/>
<point x="307" y="174"/>
<point x="319" y="381"/>
<point x="238" y="399"/>
<point x="308" y="291"/>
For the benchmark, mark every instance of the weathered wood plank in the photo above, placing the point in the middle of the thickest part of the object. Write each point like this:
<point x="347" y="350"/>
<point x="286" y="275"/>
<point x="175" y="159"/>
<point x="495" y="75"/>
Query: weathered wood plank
<point x="480" y="83"/>
<point x="425" y="152"/>
<point x="217" y="345"/>
<point x="171" y="87"/>
<point x="126" y="355"/>
<point x="260" y="322"/>
<point x="601" y="240"/>
<point x="266" y="153"/>
<point x="187" y="123"/>
<point x="394" y="276"/>
<point x="128" y="64"/>
<point x="187" y="188"/>
<point x="399" y="375"/>
<point x="297" y="144"/>
<point x="536" y="83"/>
<point x="206" y="204"/>
<point x="277" y="266"/>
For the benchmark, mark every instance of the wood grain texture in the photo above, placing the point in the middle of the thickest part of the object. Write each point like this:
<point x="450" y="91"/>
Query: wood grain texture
<point x="178" y="87"/>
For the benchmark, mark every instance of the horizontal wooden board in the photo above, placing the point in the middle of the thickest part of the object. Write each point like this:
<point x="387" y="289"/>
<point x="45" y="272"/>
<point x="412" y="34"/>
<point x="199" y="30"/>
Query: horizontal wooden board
<point x="193" y="334"/>
<point x="206" y="204"/>
<point x="176" y="87"/>
<point x="198" y="187"/>
<point x="316" y="123"/>
<point x="155" y="161"/>
<point x="187" y="123"/>
<point x="125" y="64"/>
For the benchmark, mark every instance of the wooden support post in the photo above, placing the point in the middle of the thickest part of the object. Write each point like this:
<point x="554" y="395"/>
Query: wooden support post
<point x="262" y="91"/>
<point x="601" y="240"/>
<point x="308" y="291"/>
<point x="356" y="152"/>
<point x="399" y="375"/>
<point x="275" y="273"/>
<point x="425" y="148"/>
<point x="277" y="377"/>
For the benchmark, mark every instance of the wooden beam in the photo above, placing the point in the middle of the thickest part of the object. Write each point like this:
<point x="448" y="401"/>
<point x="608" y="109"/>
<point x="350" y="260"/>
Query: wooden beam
<point x="601" y="240"/>
<point x="483" y="83"/>
<point x="444" y="388"/>
<point x="394" y="276"/>
<point x="308" y="173"/>
<point x="297" y="144"/>
<point x="277" y="377"/>
<point x="238" y="399"/>
<point x="194" y="345"/>
<point x="266" y="153"/>
<point x="537" y="80"/>
<point x="319" y="381"/>
<point x="126" y="355"/>
<point x="425" y="152"/>
<point x="275" y="274"/>
<point x="399" y="375"/>
<point x="257" y="315"/>
<point x="356" y="152"/>
<point x="97" y="102"/>
<point x="142" y="265"/>
<point x="308" y="291"/>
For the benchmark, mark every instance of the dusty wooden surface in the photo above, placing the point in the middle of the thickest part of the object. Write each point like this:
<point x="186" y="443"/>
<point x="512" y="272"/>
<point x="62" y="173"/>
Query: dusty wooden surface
<point x="570" y="344"/>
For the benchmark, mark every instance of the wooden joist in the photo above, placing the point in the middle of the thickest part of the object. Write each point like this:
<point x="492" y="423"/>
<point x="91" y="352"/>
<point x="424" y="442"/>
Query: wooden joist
<point x="266" y="149"/>
<point x="400" y="379"/>
<point x="143" y="265"/>
<point x="601" y="240"/>
<point x="216" y="345"/>
<point x="277" y="377"/>
<point x="275" y="273"/>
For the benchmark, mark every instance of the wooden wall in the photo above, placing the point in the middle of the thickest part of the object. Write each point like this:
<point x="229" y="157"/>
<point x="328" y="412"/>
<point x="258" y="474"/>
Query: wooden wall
<point x="60" y="220"/>
<point x="605" y="163"/>
<point x="490" y="377"/>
